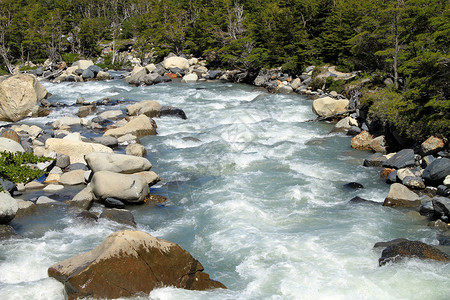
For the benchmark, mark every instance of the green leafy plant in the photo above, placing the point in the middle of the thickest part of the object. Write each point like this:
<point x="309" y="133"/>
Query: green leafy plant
<point x="14" y="166"/>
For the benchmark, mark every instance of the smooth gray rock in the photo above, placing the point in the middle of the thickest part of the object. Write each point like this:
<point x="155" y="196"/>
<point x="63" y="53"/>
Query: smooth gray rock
<point x="375" y="160"/>
<point x="172" y="111"/>
<point x="88" y="74"/>
<point x="107" y="140"/>
<point x="83" y="199"/>
<point x="403" y="159"/>
<point x="118" y="163"/>
<point x="130" y="188"/>
<point x="441" y="206"/>
<point x="8" y="208"/>
<point x="114" y="203"/>
<point x="399" y="195"/>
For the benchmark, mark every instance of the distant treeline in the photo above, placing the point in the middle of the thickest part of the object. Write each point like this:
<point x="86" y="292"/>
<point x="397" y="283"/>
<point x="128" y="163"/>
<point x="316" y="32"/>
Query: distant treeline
<point x="407" y="40"/>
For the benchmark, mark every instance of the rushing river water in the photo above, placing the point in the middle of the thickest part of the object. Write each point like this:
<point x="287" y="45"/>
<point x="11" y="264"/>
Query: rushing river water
<point x="255" y="193"/>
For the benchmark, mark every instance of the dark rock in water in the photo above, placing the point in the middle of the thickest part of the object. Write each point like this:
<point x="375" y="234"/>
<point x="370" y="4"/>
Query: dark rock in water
<point x="95" y="69"/>
<point x="44" y="136"/>
<point x="8" y="186"/>
<point x="427" y="209"/>
<point x="165" y="78"/>
<point x="156" y="199"/>
<point x="358" y="199"/>
<point x="87" y="110"/>
<point x="78" y="72"/>
<point x="444" y="238"/>
<point x="102" y="121"/>
<point x="62" y="161"/>
<point x="88" y="74"/>
<point x="403" y="159"/>
<point x="114" y="203"/>
<point x="160" y="69"/>
<point x="191" y="139"/>
<point x="353" y="185"/>
<point x="436" y="171"/>
<point x="438" y="224"/>
<point x="7" y="232"/>
<point x="213" y="74"/>
<point x="444" y="191"/>
<point x="392" y="177"/>
<point x="130" y="263"/>
<point x="398" y="251"/>
<point x="441" y="206"/>
<point x="70" y="78"/>
<point x="87" y="216"/>
<point x="121" y="216"/>
<point x="389" y="243"/>
<point x="172" y="111"/>
<point x="77" y="166"/>
<point x="374" y="160"/>
<point x="177" y="71"/>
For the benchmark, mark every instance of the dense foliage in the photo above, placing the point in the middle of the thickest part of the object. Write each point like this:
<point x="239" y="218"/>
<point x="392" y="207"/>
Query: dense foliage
<point x="14" y="166"/>
<point x="406" y="40"/>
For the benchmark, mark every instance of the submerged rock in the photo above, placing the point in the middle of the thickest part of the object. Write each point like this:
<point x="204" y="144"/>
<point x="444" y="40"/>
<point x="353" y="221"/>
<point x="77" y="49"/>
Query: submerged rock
<point x="128" y="263"/>
<point x="121" y="216"/>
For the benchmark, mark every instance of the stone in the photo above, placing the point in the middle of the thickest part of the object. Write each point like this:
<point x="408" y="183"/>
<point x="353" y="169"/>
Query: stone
<point x="111" y="114"/>
<point x="403" y="159"/>
<point x="439" y="224"/>
<point x="150" y="108"/>
<point x="441" y="206"/>
<point x="83" y="199"/>
<point x="345" y="124"/>
<point x="7" y="232"/>
<point x="378" y="144"/>
<point x="25" y="208"/>
<point x="87" y="110"/>
<point x="53" y="188"/>
<point x="353" y="185"/>
<point x="156" y="199"/>
<point x="102" y="75"/>
<point x="10" y="134"/>
<point x="443" y="190"/>
<point x="385" y="173"/>
<point x="189" y="78"/>
<point x="136" y="75"/>
<point x="413" y="182"/>
<point x="152" y="78"/>
<point x="362" y="141"/>
<point x="399" y="251"/>
<point x="374" y="160"/>
<point x="52" y="178"/>
<point x="139" y="126"/>
<point x="19" y="97"/>
<point x="427" y="209"/>
<point x="432" y="146"/>
<point x="150" y="177"/>
<point x="389" y="243"/>
<point x="150" y="68"/>
<point x="74" y="149"/>
<point x="44" y="201"/>
<point x="447" y="181"/>
<point x="130" y="188"/>
<point x="87" y="216"/>
<point x="437" y="171"/>
<point x="405" y="172"/>
<point x="114" y="203"/>
<point x="127" y="139"/>
<point x="88" y="74"/>
<point x="9" y="145"/>
<point x="121" y="216"/>
<point x="176" y="62"/>
<point x="67" y="122"/>
<point x="136" y="150"/>
<point x="108" y="141"/>
<point x="83" y="64"/>
<point x="95" y="69"/>
<point x="172" y="111"/>
<point x="77" y="166"/>
<point x="295" y="84"/>
<point x="118" y="163"/>
<point x="400" y="196"/>
<point x="284" y="89"/>
<point x="354" y="130"/>
<point x="327" y="106"/>
<point x="34" y="185"/>
<point x="357" y="199"/>
<point x="72" y="178"/>
<point x="8" y="208"/>
<point x="8" y="186"/>
<point x="128" y="263"/>
<point x="62" y="161"/>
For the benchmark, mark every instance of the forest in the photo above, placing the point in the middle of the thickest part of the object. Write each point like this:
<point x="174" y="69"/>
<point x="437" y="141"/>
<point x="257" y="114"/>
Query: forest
<point x="405" y="40"/>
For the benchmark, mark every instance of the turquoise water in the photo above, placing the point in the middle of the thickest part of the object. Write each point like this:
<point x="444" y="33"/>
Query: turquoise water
<point x="255" y="193"/>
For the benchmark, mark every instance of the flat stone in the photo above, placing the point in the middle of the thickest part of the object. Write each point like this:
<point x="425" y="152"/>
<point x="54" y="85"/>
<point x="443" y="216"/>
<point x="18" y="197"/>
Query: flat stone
<point x="25" y="208"/>
<point x="374" y="160"/>
<point x="72" y="177"/>
<point x="83" y="199"/>
<point x="121" y="216"/>
<point x="403" y="159"/>
<point x="53" y="187"/>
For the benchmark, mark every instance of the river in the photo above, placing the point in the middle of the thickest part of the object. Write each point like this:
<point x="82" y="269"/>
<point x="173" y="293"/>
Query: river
<point x="255" y="194"/>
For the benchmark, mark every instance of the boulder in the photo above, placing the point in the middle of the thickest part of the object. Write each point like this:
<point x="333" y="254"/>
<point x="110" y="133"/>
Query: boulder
<point x="150" y="108"/>
<point x="354" y="130"/>
<point x="398" y="251"/>
<point x="44" y="201"/>
<point x="447" y="181"/>
<point x="9" y="145"/>
<point x="111" y="114"/>
<point x="389" y="243"/>
<point x="128" y="263"/>
<point x="403" y="159"/>
<point x="152" y="78"/>
<point x="172" y="111"/>
<point x="432" y="146"/>
<point x="102" y="75"/>
<point x="378" y="144"/>
<point x="441" y="206"/>
<point x="7" y="232"/>
<point x="437" y="171"/>
<point x="190" y="78"/>
<point x="83" y="199"/>
<point x="114" y="203"/>
<point x="74" y="149"/>
<point x="385" y="173"/>
<point x="19" y="97"/>
<point x="327" y="106"/>
<point x="295" y="84"/>
<point x="108" y="141"/>
<point x="284" y="89"/>
<point x="405" y="172"/>
<point x="400" y="196"/>
<point x="136" y="75"/>
<point x="25" y="208"/>
<point x="10" y="134"/>
<point x="345" y="124"/>
<point x="139" y="126"/>
<point x="95" y="69"/>
<point x="87" y="110"/>
<point x="362" y="141"/>
<point x="88" y="74"/>
<point x="150" y="177"/>
<point x="121" y="216"/>
<point x="150" y="68"/>
<point x="53" y="188"/>
<point x="62" y="161"/>
<point x="353" y="186"/>
<point x="413" y="182"/>
<point x="72" y="178"/>
<point x="130" y="188"/>
<point x="8" y="208"/>
<point x="176" y="62"/>
<point x="66" y="122"/>
<point x="374" y="160"/>
<point x="8" y="186"/>
<point x="118" y="163"/>
<point x="83" y="64"/>
<point x="136" y="150"/>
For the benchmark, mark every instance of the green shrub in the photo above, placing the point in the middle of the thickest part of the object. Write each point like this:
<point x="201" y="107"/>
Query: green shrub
<point x="28" y="68"/>
<point x="13" y="166"/>
<point x="70" y="58"/>
<point x="335" y="85"/>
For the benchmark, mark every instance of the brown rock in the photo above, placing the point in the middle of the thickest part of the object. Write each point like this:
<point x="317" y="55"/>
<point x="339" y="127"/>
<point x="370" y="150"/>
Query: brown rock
<point x="378" y="144"/>
<point x="432" y="145"/>
<point x="87" y="110"/>
<point x="362" y="141"/>
<point x="10" y="134"/>
<point x="385" y="173"/>
<point x="398" y="251"/>
<point x="127" y="263"/>
<point x="156" y="199"/>
<point x="400" y="195"/>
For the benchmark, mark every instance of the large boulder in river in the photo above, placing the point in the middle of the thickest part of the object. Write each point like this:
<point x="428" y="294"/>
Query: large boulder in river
<point x="362" y="141"/>
<point x="139" y="127"/>
<point x="150" y="108"/>
<point x="400" y="196"/>
<point x="130" y="188"/>
<point x="19" y="97"/>
<point x="8" y="208"/>
<point x="9" y="145"/>
<point x="128" y="263"/>
<point x="118" y="163"/>
<point x="398" y="251"/>
<point x="437" y="171"/>
<point x="176" y="62"/>
<point x="327" y="106"/>
<point x="76" y="150"/>
<point x="402" y="159"/>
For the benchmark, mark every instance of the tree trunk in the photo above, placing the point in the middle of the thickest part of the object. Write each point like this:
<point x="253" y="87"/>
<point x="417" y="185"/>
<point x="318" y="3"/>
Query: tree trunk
<point x="4" y="55"/>
<point x="396" y="50"/>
